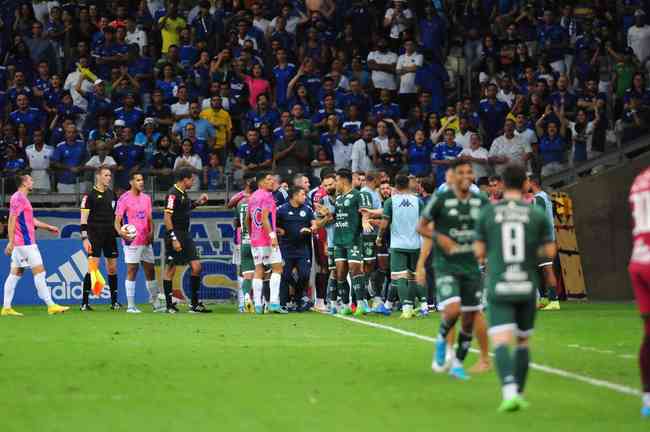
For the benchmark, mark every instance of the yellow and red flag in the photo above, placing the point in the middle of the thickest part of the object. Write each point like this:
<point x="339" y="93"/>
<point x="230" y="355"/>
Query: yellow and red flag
<point x="97" y="281"/>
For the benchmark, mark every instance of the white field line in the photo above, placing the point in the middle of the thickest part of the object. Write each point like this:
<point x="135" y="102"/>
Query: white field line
<point x="619" y="388"/>
<point x="601" y="351"/>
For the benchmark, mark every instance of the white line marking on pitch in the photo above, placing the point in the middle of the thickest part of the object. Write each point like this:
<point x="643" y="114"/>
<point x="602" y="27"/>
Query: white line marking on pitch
<point x="600" y="351"/>
<point x="543" y="368"/>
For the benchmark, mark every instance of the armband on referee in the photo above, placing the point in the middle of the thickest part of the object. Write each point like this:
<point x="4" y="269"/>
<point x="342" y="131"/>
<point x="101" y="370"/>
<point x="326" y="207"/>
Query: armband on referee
<point x="84" y="232"/>
<point x="172" y="236"/>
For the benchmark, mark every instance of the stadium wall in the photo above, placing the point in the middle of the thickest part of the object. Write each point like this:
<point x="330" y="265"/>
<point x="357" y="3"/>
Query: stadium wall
<point x="66" y="262"/>
<point x="603" y="229"/>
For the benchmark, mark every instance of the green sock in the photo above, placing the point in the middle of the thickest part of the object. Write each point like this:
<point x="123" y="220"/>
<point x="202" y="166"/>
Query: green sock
<point x="359" y="287"/>
<point x="344" y="291"/>
<point x="503" y="362"/>
<point x="403" y="291"/>
<point x="521" y="361"/>
<point x="419" y="291"/>
<point x="246" y="286"/>
<point x="552" y="293"/>
<point x="464" y="343"/>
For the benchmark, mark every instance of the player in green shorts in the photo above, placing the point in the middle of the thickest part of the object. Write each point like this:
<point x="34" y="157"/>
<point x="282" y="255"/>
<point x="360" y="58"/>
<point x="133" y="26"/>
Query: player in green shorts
<point x="370" y="193"/>
<point x="510" y="235"/>
<point x="348" y="253"/>
<point x="246" y="264"/>
<point x="447" y="224"/>
<point x="401" y="213"/>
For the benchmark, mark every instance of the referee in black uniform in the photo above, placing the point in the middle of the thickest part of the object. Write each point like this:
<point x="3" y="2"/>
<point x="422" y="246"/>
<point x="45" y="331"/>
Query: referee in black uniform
<point x="98" y="233"/>
<point x="179" y="246"/>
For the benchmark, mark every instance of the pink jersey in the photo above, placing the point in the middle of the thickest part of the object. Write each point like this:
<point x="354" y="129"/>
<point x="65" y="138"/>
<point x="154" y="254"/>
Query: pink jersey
<point x="25" y="232"/>
<point x="640" y="206"/>
<point x="261" y="199"/>
<point x="136" y="210"/>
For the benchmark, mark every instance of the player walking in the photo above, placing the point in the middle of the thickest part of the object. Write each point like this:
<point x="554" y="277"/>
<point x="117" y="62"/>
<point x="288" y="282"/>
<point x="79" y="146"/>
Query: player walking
<point x="179" y="245"/>
<point x="549" y="286"/>
<point x="639" y="269"/>
<point x="134" y="207"/>
<point x="348" y="253"/>
<point x="401" y="213"/>
<point x="23" y="250"/>
<point x="264" y="242"/>
<point x="453" y="214"/>
<point x="510" y="235"/>
<point x="98" y="234"/>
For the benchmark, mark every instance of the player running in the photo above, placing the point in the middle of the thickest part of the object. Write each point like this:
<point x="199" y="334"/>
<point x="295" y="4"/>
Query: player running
<point x="548" y="289"/>
<point x="22" y="248"/>
<point x="179" y="245"/>
<point x="401" y="213"/>
<point x="348" y="253"/>
<point x="447" y="224"/>
<point x="639" y="269"/>
<point x="134" y="207"/>
<point x="510" y="235"/>
<point x="98" y="235"/>
<point x="264" y="242"/>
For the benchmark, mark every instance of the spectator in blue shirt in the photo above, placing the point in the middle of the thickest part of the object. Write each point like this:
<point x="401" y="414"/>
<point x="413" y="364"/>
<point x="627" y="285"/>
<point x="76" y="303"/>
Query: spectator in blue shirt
<point x="493" y="115"/>
<point x="443" y="155"/>
<point x="552" y="142"/>
<point x="148" y="137"/>
<point x="68" y="159"/>
<point x="33" y="118"/>
<point x="419" y="155"/>
<point x="552" y="40"/>
<point x="204" y="129"/>
<point x="386" y="108"/>
<point x="432" y="32"/>
<point x="129" y="113"/>
<point x="319" y="120"/>
<point x="262" y="114"/>
<point x="356" y="96"/>
<point x="431" y="77"/>
<point x="252" y="155"/>
<point x="283" y="72"/>
<point x="129" y="157"/>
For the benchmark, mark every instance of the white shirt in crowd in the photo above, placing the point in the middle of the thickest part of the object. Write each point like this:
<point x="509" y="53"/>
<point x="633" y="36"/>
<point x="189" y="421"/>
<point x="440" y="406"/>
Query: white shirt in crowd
<point x="407" y="81"/>
<point x="96" y="162"/>
<point x="39" y="162"/>
<point x="180" y="109"/>
<point x="381" y="79"/>
<point x="529" y="137"/>
<point x="225" y="103"/>
<point x="382" y="144"/>
<point x="70" y="84"/>
<point x="463" y="139"/>
<point x="195" y="162"/>
<point x="480" y="170"/>
<point x="397" y="28"/>
<point x="137" y="37"/>
<point x="508" y="98"/>
<point x="362" y="154"/>
<point x="262" y="24"/>
<point x="342" y="154"/>
<point x="291" y="25"/>
<point x="514" y="149"/>
<point x="638" y="38"/>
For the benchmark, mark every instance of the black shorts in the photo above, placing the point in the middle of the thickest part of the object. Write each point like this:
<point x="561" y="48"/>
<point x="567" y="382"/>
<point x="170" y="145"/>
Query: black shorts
<point x="103" y="242"/>
<point x="187" y="254"/>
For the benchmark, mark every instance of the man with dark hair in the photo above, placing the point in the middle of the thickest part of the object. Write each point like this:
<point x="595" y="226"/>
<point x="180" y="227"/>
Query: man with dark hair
<point x="509" y="235"/>
<point x="401" y="213"/>
<point x="134" y="208"/>
<point x="98" y="235"/>
<point x="246" y="264"/>
<point x="179" y="246"/>
<point x="325" y="210"/>
<point x="348" y="253"/>
<point x="295" y="223"/>
<point x="23" y="250"/>
<point x="447" y="223"/>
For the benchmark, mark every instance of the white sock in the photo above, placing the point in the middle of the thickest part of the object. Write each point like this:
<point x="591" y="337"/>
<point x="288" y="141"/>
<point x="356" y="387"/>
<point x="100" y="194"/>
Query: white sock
<point x="407" y="308"/>
<point x="274" y="286"/>
<point x="152" y="287"/>
<point x="509" y="391"/>
<point x="42" y="289"/>
<point x="455" y="363"/>
<point x="388" y="304"/>
<point x="258" y="284"/>
<point x="240" y="292"/>
<point x="10" y="288"/>
<point x="377" y="301"/>
<point x="646" y="399"/>
<point x="130" y="292"/>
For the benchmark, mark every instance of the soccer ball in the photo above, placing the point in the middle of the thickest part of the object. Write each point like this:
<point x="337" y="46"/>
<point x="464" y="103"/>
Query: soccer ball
<point x="130" y="231"/>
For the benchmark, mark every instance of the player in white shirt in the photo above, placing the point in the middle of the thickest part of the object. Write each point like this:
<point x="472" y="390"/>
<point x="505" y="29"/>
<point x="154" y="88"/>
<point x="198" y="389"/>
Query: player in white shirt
<point x="39" y="156"/>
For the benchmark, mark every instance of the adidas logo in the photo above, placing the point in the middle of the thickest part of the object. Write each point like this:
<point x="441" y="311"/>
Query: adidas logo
<point x="67" y="282"/>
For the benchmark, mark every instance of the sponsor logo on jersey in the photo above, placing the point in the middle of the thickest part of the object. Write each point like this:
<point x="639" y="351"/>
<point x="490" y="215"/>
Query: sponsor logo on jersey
<point x="406" y="203"/>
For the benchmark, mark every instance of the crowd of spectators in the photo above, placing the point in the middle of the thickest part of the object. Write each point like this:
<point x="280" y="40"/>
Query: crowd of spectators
<point x="229" y="87"/>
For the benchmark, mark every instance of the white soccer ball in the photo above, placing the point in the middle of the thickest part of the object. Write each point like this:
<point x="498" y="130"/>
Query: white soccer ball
<point x="130" y="230"/>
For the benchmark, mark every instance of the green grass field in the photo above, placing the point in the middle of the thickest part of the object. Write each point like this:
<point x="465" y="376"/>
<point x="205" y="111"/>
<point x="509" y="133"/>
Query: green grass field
<point x="109" y="371"/>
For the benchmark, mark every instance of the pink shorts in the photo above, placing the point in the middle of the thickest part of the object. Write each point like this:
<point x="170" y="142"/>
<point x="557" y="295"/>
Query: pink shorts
<point x="640" y="276"/>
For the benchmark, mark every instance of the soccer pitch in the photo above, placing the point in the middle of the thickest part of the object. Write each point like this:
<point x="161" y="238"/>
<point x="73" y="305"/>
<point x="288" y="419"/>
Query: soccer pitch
<point x="109" y="371"/>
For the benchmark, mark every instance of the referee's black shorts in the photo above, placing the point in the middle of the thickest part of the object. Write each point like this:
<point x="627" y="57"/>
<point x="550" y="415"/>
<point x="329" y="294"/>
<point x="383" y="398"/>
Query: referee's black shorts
<point x="103" y="241"/>
<point x="187" y="254"/>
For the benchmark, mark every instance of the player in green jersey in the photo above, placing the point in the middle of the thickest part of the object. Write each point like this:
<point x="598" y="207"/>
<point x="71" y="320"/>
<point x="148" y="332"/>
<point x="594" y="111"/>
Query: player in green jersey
<point x="548" y="290"/>
<point x="447" y="224"/>
<point x="370" y="193"/>
<point x="401" y="213"/>
<point x="246" y="265"/>
<point x="349" y="226"/>
<point x="510" y="235"/>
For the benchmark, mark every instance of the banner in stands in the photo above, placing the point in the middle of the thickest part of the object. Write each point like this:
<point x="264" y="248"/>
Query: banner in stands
<point x="66" y="263"/>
